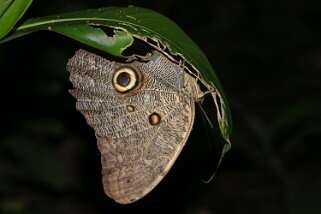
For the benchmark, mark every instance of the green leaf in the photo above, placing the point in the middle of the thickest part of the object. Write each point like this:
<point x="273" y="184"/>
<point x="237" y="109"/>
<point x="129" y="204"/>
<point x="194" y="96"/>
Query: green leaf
<point x="134" y="22"/>
<point x="10" y="13"/>
<point x="96" y="37"/>
<point x="4" y="4"/>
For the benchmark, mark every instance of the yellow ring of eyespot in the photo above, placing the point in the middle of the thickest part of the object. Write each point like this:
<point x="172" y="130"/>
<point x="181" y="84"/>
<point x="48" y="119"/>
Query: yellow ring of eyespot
<point x="133" y="79"/>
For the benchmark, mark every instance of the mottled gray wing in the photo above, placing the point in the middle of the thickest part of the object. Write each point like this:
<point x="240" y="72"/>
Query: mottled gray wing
<point x="139" y="134"/>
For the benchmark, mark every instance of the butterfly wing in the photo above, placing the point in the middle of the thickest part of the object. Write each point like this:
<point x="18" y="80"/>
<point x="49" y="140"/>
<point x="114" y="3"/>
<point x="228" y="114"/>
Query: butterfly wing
<point x="139" y="135"/>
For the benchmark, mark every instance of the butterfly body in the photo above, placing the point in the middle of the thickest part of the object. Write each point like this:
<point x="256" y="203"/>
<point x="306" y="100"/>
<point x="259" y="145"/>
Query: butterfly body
<point x="142" y="113"/>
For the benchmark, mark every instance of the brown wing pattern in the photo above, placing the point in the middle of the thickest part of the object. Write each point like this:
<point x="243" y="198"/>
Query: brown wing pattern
<point x="135" y="152"/>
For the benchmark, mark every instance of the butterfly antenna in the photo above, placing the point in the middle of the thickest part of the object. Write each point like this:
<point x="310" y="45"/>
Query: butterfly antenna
<point x="205" y="115"/>
<point x="205" y="121"/>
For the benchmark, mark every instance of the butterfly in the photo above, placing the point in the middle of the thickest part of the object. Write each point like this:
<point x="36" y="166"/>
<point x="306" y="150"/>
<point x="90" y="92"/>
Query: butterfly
<point x="142" y="112"/>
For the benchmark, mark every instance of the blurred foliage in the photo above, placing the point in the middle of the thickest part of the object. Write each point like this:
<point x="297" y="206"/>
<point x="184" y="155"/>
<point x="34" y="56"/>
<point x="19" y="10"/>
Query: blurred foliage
<point x="10" y="13"/>
<point x="268" y="57"/>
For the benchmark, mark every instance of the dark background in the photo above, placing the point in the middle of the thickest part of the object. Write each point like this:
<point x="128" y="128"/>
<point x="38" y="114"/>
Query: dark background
<point x="267" y="55"/>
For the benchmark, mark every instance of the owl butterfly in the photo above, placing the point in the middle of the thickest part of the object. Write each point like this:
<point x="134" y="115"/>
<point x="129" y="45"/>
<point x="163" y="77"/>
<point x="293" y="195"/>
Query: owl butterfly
<point x="142" y="113"/>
